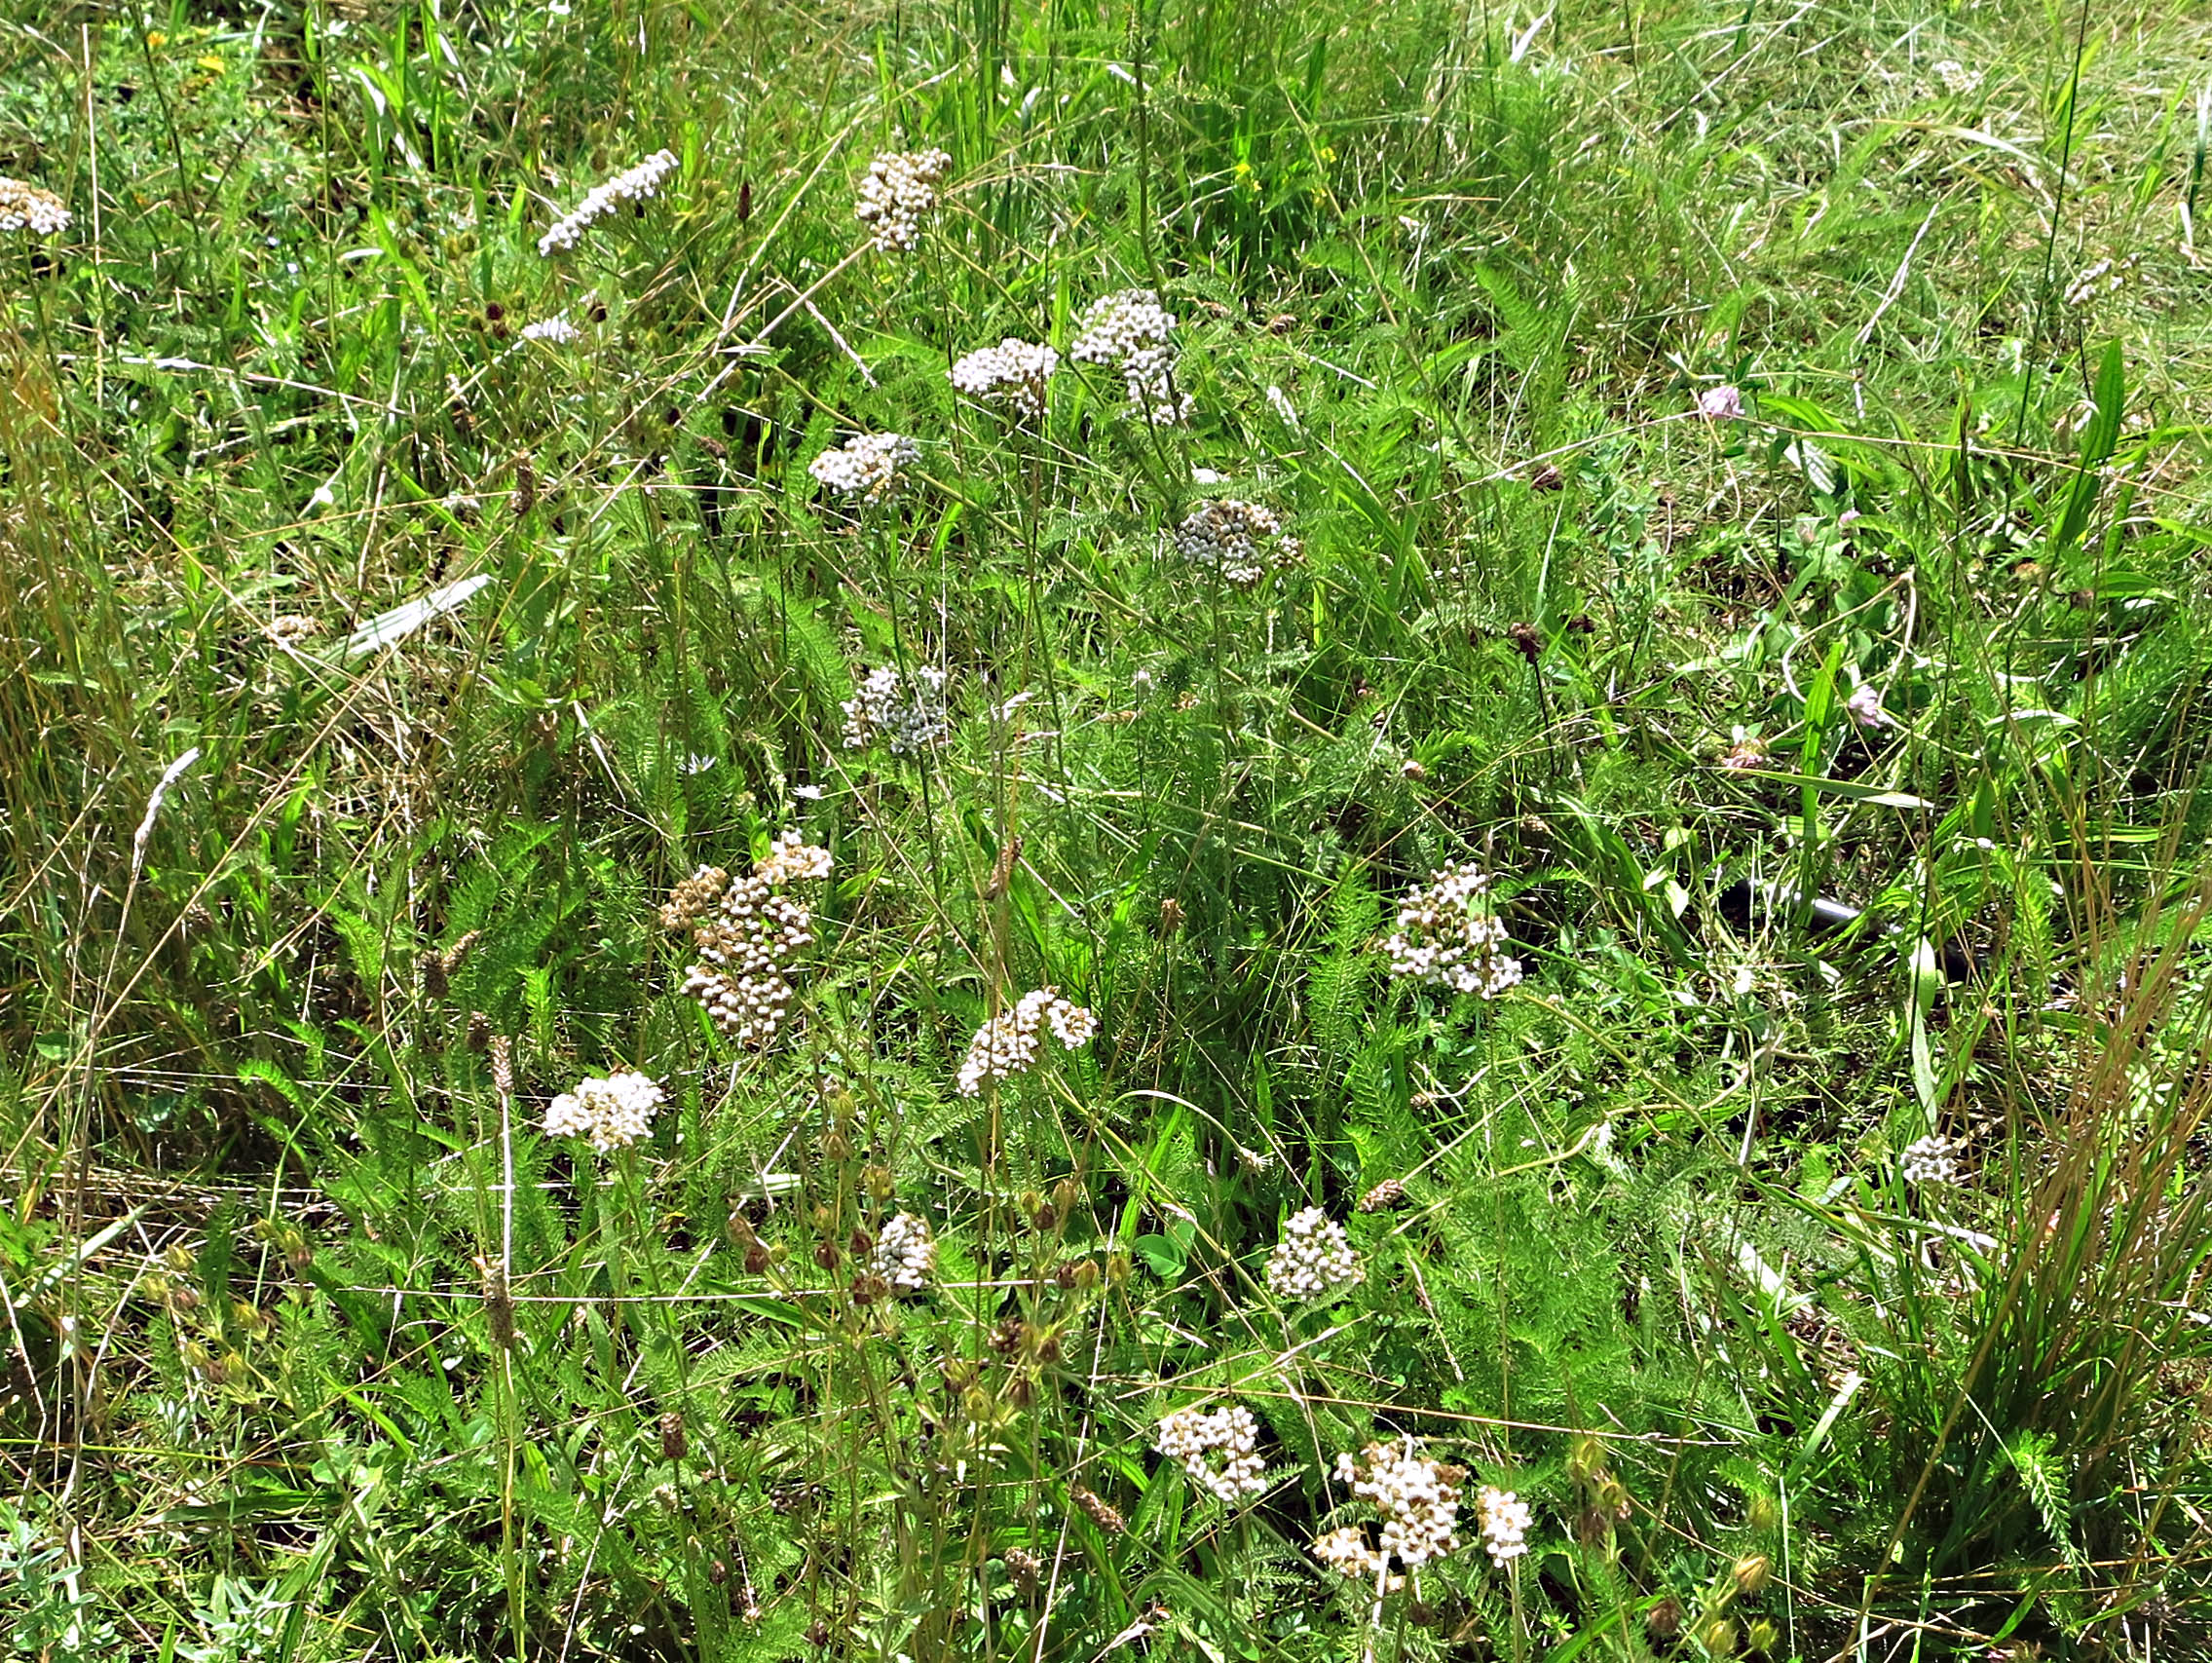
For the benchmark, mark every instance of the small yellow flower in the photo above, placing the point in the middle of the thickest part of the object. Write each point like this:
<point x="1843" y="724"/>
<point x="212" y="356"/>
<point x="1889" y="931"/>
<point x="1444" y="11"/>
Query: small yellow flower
<point x="1327" y="154"/>
<point x="209" y="62"/>
<point x="156" y="40"/>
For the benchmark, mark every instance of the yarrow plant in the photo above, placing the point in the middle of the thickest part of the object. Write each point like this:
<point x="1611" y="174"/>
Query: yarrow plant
<point x="1129" y="330"/>
<point x="1224" y="536"/>
<point x="1013" y="374"/>
<point x="906" y="713"/>
<point x="1219" y="1449"/>
<point x="28" y="208"/>
<point x="1417" y="1501"/>
<point x="1007" y="1044"/>
<point x="1313" y="1259"/>
<point x="1930" y="1160"/>
<point x="867" y="465"/>
<point x="749" y="933"/>
<point x="1447" y="936"/>
<point x="1503" y="1519"/>
<point x="899" y="190"/>
<point x="632" y="186"/>
<point x="556" y="329"/>
<point x="612" y="1112"/>
<point x="905" y="1253"/>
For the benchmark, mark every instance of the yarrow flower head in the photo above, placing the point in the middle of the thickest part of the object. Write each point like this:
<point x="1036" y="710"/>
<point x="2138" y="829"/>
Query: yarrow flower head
<point x="906" y="712"/>
<point x="1218" y="1449"/>
<point x="900" y="189"/>
<point x="749" y="933"/>
<point x="1129" y="330"/>
<point x="1417" y="1501"/>
<point x="2105" y="276"/>
<point x="1012" y="373"/>
<point x="1956" y="78"/>
<point x="28" y="208"/>
<point x="1933" y="1160"/>
<point x="905" y="1253"/>
<point x="557" y="329"/>
<point x="1448" y="937"/>
<point x="867" y="465"/>
<point x="1224" y="536"/>
<point x="1313" y="1259"/>
<point x="632" y="186"/>
<point x="1007" y="1044"/>
<point x="612" y="1112"/>
<point x="1503" y="1518"/>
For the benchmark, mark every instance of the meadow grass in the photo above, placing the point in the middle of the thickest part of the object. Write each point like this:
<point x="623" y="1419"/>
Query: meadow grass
<point x="1490" y="951"/>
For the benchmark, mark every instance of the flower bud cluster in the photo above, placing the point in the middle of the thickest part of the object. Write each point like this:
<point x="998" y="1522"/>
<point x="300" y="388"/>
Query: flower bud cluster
<point x="749" y="937"/>
<point x="1012" y="373"/>
<point x="28" y="208"/>
<point x="1933" y="1160"/>
<point x="906" y="712"/>
<point x="905" y="1253"/>
<point x="1130" y="331"/>
<point x="612" y="1112"/>
<point x="1313" y="1259"/>
<point x="1007" y="1044"/>
<point x="1503" y="1518"/>
<point x="1192" y="1439"/>
<point x="632" y="185"/>
<point x="1447" y="937"/>
<point x="900" y="189"/>
<point x="866" y="465"/>
<point x="1224" y="536"/>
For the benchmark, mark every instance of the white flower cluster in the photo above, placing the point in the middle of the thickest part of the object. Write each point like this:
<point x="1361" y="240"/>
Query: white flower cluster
<point x="632" y="186"/>
<point x="1417" y="1500"/>
<point x="1933" y="1160"/>
<point x="906" y="712"/>
<point x="1192" y="1439"/>
<point x="905" y="1253"/>
<point x="1225" y="535"/>
<point x="866" y="465"/>
<point x="28" y="208"/>
<point x="557" y="329"/>
<point x="2105" y="276"/>
<point x="748" y="941"/>
<point x="1129" y="330"/>
<point x="1012" y="373"/>
<point x="1313" y="1259"/>
<point x="1448" y="938"/>
<point x="1504" y="1520"/>
<point x="1346" y="1550"/>
<point x="612" y="1112"/>
<point x="1957" y="79"/>
<point x="1007" y="1044"/>
<point x="900" y="188"/>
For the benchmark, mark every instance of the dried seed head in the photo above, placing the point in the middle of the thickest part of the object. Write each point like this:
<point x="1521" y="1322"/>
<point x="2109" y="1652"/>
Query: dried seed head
<point x="1099" y="1511"/>
<point x="673" y="1444"/>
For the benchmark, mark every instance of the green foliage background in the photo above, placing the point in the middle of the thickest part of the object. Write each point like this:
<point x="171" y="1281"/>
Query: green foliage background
<point x="319" y="1347"/>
